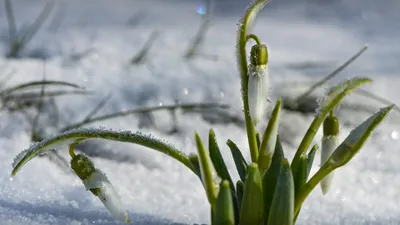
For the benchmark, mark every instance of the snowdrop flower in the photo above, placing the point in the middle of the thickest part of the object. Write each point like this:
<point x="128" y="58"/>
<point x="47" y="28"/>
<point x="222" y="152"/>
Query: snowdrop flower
<point x="258" y="82"/>
<point x="97" y="182"/>
<point x="329" y="144"/>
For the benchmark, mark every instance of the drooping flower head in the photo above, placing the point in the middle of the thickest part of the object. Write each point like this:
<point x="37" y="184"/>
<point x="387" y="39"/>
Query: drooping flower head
<point x="258" y="82"/>
<point x="97" y="182"/>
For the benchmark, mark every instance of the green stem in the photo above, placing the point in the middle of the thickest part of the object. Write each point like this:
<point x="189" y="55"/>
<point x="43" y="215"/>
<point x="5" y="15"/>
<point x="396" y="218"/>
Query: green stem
<point x="310" y="185"/>
<point x="254" y="37"/>
<point x="242" y="64"/>
<point x="72" y="149"/>
<point x="77" y="136"/>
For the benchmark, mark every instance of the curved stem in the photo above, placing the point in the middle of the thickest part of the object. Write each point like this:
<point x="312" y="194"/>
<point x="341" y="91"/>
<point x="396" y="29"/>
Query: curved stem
<point x="241" y="55"/>
<point x="77" y="136"/>
<point x="72" y="148"/>
<point x="254" y="37"/>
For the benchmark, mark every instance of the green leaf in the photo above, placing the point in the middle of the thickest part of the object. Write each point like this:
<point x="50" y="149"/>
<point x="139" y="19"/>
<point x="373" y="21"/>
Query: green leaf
<point x="67" y="138"/>
<point x="343" y="153"/>
<point x="283" y="202"/>
<point x="206" y="171"/>
<point x="194" y="161"/>
<point x="239" y="194"/>
<point x="220" y="167"/>
<point x="309" y="162"/>
<point x="252" y="208"/>
<point x="218" y="160"/>
<point x="301" y="174"/>
<point x="334" y="97"/>
<point x="271" y="177"/>
<point x="224" y="210"/>
<point x="310" y="159"/>
<point x="269" y="139"/>
<point x="239" y="160"/>
<point x="258" y="139"/>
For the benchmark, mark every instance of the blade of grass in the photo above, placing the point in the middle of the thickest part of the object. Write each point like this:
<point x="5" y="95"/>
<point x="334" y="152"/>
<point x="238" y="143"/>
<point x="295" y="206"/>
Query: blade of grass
<point x="376" y="98"/>
<point x="197" y="40"/>
<point x="97" y="108"/>
<point x="12" y="27"/>
<point x="189" y="106"/>
<point x="37" y="24"/>
<point x="23" y="86"/>
<point x="141" y="56"/>
<point x="331" y="75"/>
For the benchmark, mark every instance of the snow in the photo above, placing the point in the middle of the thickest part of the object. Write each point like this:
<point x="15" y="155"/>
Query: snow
<point x="92" y="48"/>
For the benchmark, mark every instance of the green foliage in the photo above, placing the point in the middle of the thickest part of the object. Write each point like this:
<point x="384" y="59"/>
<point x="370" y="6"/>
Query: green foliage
<point x="271" y="191"/>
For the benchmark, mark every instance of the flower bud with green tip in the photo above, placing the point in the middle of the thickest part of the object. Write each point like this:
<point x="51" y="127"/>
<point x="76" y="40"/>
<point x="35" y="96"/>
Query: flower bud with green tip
<point x="224" y="211"/>
<point x="330" y="141"/>
<point x="97" y="182"/>
<point x="258" y="82"/>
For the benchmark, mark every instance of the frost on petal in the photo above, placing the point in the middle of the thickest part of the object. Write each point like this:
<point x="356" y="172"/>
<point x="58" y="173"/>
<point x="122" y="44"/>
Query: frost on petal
<point x="107" y="194"/>
<point x="258" y="91"/>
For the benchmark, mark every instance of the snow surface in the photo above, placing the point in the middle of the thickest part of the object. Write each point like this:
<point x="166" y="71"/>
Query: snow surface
<point x="154" y="188"/>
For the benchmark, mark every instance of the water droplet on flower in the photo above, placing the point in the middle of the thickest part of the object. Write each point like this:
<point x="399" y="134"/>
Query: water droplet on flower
<point x="11" y="178"/>
<point x="395" y="135"/>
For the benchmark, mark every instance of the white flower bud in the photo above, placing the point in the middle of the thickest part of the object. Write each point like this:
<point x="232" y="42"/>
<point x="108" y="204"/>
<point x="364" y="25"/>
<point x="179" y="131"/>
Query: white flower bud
<point x="329" y="144"/>
<point x="103" y="189"/>
<point x="258" y="91"/>
<point x="257" y="88"/>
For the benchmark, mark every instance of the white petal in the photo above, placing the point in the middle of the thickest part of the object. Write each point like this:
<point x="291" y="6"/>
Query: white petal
<point x="258" y="91"/>
<point x="329" y="144"/>
<point x="107" y="195"/>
